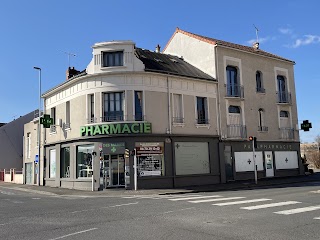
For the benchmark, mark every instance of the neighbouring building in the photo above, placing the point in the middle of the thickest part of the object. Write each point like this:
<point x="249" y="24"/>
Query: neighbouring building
<point x="187" y="112"/>
<point x="11" y="142"/>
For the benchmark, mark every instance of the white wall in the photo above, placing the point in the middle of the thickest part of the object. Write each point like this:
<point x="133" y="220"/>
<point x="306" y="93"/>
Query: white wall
<point x="242" y="160"/>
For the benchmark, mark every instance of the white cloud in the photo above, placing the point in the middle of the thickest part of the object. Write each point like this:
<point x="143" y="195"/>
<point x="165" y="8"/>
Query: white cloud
<point x="306" y="40"/>
<point x="285" y="31"/>
<point x="261" y="40"/>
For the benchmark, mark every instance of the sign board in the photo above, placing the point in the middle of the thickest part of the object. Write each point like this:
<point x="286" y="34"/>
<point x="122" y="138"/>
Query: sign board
<point x="116" y="129"/>
<point x="36" y="159"/>
<point x="46" y="121"/>
<point x="113" y="148"/>
<point x="305" y="125"/>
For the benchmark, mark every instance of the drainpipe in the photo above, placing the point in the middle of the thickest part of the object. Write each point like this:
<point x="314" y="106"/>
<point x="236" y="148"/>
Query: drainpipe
<point x="218" y="92"/>
<point x="169" y="129"/>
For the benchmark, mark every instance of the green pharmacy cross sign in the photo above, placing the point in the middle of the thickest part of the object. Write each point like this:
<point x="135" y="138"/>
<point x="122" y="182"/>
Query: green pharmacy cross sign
<point x="305" y="125"/>
<point x="46" y="121"/>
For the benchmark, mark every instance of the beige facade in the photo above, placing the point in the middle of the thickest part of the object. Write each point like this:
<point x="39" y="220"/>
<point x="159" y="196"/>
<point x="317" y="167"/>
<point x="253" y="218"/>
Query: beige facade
<point x="271" y="127"/>
<point x="196" y="112"/>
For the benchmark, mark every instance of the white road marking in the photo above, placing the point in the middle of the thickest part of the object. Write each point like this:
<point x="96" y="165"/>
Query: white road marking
<point x="36" y="198"/>
<point x="215" y="199"/>
<point x="93" y="209"/>
<point x="7" y="193"/>
<point x="241" y="202"/>
<point x="179" y="210"/>
<point x="278" y="204"/>
<point x="161" y="196"/>
<point x="190" y="198"/>
<point x="72" y="234"/>
<point x="299" y="210"/>
<point x="316" y="218"/>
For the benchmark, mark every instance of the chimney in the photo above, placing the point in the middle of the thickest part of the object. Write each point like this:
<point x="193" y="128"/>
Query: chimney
<point x="71" y="72"/>
<point x="256" y="45"/>
<point x="158" y="48"/>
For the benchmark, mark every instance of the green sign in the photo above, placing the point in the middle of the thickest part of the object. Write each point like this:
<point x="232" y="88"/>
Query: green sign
<point x="46" y="121"/>
<point x="115" y="128"/>
<point x="113" y="148"/>
<point x="305" y="125"/>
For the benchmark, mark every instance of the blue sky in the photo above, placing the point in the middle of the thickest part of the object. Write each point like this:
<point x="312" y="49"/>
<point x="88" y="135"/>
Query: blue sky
<point x="39" y="32"/>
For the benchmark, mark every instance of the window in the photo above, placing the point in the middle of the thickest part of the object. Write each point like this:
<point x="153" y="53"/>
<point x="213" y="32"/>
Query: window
<point x="138" y="106"/>
<point x="283" y="96"/>
<point x="53" y="116"/>
<point x="67" y="123"/>
<point x="284" y="114"/>
<point x="259" y="83"/>
<point x="202" y="110"/>
<point x="84" y="160"/>
<point x="53" y="165"/>
<point x="113" y="59"/>
<point x="91" y="118"/>
<point x="65" y="163"/>
<point x="233" y="88"/>
<point x="177" y="109"/>
<point x="113" y="106"/>
<point x="234" y="109"/>
<point x="28" y="145"/>
<point x="261" y="127"/>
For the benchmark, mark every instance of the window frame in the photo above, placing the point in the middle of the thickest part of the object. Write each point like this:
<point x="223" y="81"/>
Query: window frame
<point x="205" y="108"/>
<point x="259" y="82"/>
<point x="63" y="163"/>
<point x="107" y="106"/>
<point x="113" y="54"/>
<point x="177" y="119"/>
<point x="140" y="117"/>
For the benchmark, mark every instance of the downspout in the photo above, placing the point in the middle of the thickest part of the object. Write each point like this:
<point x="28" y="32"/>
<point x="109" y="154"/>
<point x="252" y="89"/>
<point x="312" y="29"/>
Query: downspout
<point x="169" y="129"/>
<point x="218" y="91"/>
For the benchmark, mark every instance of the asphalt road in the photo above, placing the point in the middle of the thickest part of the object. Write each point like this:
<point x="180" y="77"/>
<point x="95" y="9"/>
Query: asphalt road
<point x="282" y="213"/>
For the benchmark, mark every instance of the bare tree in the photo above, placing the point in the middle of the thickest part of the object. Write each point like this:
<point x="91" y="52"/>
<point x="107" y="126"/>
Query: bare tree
<point x="317" y="139"/>
<point x="314" y="159"/>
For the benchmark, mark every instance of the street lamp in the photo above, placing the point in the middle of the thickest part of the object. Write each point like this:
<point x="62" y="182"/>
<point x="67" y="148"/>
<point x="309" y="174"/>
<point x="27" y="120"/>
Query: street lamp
<point x="39" y="125"/>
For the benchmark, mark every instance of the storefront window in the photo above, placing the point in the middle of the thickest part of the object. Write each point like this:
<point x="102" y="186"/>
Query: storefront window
<point x="65" y="163"/>
<point x="52" y="166"/>
<point x="150" y="159"/>
<point x="84" y="160"/>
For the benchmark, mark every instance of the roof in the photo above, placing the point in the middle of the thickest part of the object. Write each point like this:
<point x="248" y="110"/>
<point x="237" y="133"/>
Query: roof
<point x="169" y="64"/>
<point x="228" y="44"/>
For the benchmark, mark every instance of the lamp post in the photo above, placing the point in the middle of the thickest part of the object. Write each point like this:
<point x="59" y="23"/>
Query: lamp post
<point x="39" y="125"/>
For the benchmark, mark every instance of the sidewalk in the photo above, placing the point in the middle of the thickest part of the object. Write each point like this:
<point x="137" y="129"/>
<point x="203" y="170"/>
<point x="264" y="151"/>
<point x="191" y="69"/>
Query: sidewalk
<point x="262" y="183"/>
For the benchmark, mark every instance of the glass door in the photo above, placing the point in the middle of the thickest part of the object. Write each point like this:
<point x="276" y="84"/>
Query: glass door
<point x="117" y="170"/>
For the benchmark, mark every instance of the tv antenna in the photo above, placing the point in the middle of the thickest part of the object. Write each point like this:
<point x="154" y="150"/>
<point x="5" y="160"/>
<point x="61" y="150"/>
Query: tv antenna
<point x="69" y="55"/>
<point x="257" y="30"/>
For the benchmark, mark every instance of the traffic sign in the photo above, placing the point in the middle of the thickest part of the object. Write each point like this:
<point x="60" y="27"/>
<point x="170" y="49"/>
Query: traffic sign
<point x="36" y="159"/>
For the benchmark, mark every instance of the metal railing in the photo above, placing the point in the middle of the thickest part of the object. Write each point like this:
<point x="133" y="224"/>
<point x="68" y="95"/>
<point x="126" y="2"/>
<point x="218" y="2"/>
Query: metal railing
<point x="236" y="131"/>
<point x="202" y="121"/>
<point x="113" y="118"/>
<point x="53" y="129"/>
<point x="262" y="129"/>
<point x="260" y="90"/>
<point x="177" y="120"/>
<point x="139" y="117"/>
<point x="236" y="91"/>
<point x="287" y="133"/>
<point x="284" y="97"/>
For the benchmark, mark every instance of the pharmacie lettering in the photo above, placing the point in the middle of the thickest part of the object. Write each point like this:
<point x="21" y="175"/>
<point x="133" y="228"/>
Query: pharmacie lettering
<point x="115" y="128"/>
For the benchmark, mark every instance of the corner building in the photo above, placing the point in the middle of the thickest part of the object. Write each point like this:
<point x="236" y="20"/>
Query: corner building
<point x="186" y="111"/>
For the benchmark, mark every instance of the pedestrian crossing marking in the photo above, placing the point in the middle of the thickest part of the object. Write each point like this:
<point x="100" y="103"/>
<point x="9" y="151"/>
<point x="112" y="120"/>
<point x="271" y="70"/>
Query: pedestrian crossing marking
<point x="215" y="200"/>
<point x="316" y="218"/>
<point x="190" y="198"/>
<point x="278" y="204"/>
<point x="161" y="196"/>
<point x="241" y="202"/>
<point x="299" y="210"/>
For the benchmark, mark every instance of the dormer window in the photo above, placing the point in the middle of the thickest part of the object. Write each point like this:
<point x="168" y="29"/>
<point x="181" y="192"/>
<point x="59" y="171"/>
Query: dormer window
<point x="112" y="59"/>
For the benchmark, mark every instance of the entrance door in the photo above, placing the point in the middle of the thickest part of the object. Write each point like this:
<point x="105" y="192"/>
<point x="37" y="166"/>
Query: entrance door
<point x="117" y="170"/>
<point x="28" y="173"/>
<point x="269" y="164"/>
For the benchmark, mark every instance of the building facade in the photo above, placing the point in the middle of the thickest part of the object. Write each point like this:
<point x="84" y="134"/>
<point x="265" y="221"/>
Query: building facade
<point x="187" y="112"/>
